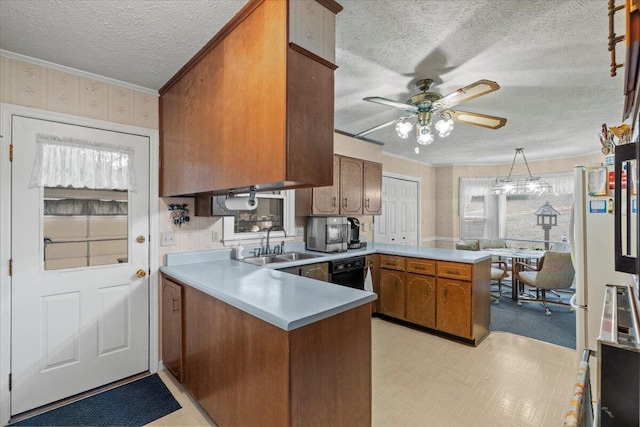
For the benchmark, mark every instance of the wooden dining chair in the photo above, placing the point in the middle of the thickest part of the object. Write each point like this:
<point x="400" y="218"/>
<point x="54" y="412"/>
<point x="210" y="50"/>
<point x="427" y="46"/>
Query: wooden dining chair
<point x="499" y="271"/>
<point x="554" y="271"/>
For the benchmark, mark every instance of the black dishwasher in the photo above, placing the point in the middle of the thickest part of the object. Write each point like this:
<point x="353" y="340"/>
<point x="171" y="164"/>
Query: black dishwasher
<point x="348" y="272"/>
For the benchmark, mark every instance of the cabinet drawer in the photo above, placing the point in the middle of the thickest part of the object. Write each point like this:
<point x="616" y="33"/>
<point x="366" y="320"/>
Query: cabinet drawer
<point x="421" y="266"/>
<point x="392" y="262"/>
<point x="454" y="270"/>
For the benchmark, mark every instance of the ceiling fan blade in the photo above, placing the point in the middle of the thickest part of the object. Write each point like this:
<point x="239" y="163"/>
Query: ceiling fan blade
<point x="391" y="103"/>
<point x="474" y="90"/>
<point x="380" y="126"/>
<point x="477" y="119"/>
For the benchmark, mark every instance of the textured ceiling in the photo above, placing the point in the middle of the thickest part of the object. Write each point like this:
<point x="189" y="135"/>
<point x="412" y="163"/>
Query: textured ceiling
<point x="549" y="57"/>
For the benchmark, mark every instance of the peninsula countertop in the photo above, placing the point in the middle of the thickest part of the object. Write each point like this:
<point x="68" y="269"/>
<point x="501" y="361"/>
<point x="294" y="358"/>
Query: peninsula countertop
<point x="286" y="300"/>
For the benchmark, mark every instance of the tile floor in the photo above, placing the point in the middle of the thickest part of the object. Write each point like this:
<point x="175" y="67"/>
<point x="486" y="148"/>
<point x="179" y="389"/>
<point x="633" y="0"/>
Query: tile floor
<point x="424" y="380"/>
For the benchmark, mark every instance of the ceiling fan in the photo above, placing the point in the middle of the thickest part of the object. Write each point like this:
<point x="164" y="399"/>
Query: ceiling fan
<point x="426" y="105"/>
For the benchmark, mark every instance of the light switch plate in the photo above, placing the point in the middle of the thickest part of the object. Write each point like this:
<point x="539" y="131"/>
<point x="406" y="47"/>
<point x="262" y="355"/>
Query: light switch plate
<point x="167" y="239"/>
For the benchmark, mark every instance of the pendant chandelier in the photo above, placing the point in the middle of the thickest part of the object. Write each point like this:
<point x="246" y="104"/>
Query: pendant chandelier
<point x="524" y="184"/>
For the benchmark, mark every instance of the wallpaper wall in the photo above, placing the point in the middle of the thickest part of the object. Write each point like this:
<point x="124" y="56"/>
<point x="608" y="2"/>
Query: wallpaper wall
<point x="26" y="84"/>
<point x="30" y="85"/>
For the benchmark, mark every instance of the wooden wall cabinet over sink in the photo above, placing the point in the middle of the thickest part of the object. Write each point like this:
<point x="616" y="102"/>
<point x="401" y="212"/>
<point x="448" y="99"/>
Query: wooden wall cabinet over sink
<point x="255" y="106"/>
<point x="449" y="297"/>
<point x="356" y="190"/>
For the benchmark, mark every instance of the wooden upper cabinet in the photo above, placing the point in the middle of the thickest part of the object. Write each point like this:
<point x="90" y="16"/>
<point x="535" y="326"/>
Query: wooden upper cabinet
<point x="252" y="108"/>
<point x="351" y="175"/>
<point x="356" y="190"/>
<point x="326" y="200"/>
<point x="372" y="188"/>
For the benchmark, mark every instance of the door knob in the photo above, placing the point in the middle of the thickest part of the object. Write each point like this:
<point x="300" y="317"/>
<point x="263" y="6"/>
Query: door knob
<point x="141" y="273"/>
<point x="140" y="239"/>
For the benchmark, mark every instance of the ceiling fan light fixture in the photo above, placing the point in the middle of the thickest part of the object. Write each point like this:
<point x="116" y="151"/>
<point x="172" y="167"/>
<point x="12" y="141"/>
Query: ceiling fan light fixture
<point x="423" y="134"/>
<point x="444" y="127"/>
<point x="403" y="128"/>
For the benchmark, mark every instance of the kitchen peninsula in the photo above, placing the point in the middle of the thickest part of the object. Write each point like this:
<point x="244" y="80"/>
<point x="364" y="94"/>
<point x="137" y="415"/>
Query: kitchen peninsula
<point x="258" y="346"/>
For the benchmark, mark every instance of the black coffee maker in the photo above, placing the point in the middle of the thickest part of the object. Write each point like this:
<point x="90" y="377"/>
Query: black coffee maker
<point x="354" y="233"/>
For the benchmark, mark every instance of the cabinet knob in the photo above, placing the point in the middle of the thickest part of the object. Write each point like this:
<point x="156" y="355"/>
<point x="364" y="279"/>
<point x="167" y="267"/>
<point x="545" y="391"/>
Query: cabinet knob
<point x="175" y="307"/>
<point x="366" y="203"/>
<point x="344" y="203"/>
<point x="335" y="202"/>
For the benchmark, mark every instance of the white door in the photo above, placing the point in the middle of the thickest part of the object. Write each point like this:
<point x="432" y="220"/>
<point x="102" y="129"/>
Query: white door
<point x="398" y="223"/>
<point x="80" y="319"/>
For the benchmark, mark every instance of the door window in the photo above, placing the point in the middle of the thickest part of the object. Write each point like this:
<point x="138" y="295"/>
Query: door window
<point x="83" y="227"/>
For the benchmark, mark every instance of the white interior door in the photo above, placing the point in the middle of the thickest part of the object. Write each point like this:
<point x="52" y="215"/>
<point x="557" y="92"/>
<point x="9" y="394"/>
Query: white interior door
<point x="81" y="319"/>
<point x="398" y="223"/>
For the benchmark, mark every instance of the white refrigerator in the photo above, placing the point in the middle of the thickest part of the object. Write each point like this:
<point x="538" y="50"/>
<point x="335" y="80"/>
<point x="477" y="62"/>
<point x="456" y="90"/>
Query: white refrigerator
<point x="592" y="250"/>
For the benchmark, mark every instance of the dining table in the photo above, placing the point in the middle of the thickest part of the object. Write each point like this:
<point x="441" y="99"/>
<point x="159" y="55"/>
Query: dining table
<point x="517" y="255"/>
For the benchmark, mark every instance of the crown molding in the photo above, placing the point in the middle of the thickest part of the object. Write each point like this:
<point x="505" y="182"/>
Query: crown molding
<point x="80" y="73"/>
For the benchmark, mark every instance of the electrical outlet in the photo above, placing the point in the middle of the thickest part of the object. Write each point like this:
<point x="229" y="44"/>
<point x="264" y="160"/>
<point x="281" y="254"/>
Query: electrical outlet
<point x="299" y="231"/>
<point x="167" y="239"/>
<point x="215" y="236"/>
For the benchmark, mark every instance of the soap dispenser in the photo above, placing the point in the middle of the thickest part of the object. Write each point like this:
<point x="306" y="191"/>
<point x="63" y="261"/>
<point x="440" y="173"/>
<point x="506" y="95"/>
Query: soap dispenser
<point x="240" y="252"/>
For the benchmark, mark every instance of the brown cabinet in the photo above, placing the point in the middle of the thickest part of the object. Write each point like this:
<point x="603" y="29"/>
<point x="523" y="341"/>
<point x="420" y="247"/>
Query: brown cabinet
<point x="373" y="265"/>
<point x="356" y="190"/>
<point x="454" y="307"/>
<point x="318" y="374"/>
<point x="447" y="296"/>
<point x="326" y="200"/>
<point x="252" y="108"/>
<point x="391" y="298"/>
<point x="172" y="327"/>
<point x="351" y="179"/>
<point x="319" y="271"/>
<point x="372" y="188"/>
<point x="421" y="300"/>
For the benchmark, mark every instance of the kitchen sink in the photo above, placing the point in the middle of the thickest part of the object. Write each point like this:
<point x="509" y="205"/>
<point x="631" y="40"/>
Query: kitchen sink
<point x="286" y="257"/>
<point x="295" y="256"/>
<point x="263" y="260"/>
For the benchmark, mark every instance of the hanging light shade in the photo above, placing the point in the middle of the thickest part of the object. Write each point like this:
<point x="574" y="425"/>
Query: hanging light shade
<point x="527" y="184"/>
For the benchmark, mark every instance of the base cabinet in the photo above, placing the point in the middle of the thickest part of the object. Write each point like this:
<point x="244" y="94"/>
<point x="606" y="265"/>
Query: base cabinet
<point x="246" y="372"/>
<point x="454" y="307"/>
<point x="449" y="297"/>
<point x="392" y="293"/>
<point x="421" y="300"/>
<point x="172" y="327"/>
<point x="319" y="271"/>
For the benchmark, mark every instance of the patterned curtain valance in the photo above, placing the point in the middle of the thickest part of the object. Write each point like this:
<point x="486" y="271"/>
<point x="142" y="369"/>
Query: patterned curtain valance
<point x="77" y="163"/>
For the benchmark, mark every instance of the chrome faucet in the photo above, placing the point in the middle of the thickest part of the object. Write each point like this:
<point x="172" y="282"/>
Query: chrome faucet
<point x="280" y="248"/>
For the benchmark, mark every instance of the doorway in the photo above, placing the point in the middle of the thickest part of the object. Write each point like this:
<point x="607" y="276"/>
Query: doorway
<point x="79" y="300"/>
<point x="398" y="222"/>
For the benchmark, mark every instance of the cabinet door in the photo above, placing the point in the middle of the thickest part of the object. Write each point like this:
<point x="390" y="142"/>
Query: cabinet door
<point x="373" y="267"/>
<point x="453" y="307"/>
<point x="392" y="293"/>
<point x="350" y="186"/>
<point x="326" y="200"/>
<point x="372" y="188"/>
<point x="172" y="327"/>
<point x="291" y="270"/>
<point x="421" y="300"/>
<point x="318" y="271"/>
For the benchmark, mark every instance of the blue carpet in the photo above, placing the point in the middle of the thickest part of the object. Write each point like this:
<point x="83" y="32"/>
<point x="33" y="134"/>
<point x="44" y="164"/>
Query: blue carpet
<point x="530" y="320"/>
<point x="133" y="404"/>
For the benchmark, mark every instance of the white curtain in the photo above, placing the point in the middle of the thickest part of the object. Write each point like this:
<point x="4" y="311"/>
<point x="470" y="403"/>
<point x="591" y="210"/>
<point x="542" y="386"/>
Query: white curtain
<point x="470" y="187"/>
<point x="77" y="163"/>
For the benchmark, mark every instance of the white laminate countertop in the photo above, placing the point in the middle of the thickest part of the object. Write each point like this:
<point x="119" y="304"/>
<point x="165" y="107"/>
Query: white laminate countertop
<point x="286" y="300"/>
